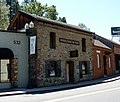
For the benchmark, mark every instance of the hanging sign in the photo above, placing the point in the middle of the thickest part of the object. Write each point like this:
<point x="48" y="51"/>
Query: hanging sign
<point x="32" y="44"/>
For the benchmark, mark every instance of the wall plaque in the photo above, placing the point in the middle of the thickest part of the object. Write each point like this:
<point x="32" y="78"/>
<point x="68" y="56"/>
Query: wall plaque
<point x="68" y="41"/>
<point x="74" y="53"/>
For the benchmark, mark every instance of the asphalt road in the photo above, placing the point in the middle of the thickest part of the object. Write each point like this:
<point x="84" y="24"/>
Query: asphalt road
<point x="106" y="92"/>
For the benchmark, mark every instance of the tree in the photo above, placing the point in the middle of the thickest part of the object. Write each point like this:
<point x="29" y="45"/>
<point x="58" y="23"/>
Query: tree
<point x="51" y="12"/>
<point x="83" y="26"/>
<point x="34" y="8"/>
<point x="37" y="8"/>
<point x="13" y="8"/>
<point x="4" y="12"/>
<point x="62" y="19"/>
<point x="26" y="1"/>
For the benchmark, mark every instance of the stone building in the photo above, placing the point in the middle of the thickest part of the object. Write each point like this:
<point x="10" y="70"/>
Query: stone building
<point x="62" y="53"/>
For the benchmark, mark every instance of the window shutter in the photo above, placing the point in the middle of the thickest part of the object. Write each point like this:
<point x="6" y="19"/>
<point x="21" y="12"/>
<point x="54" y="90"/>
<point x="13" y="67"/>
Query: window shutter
<point x="58" y="68"/>
<point x="88" y="67"/>
<point x="80" y="68"/>
<point x="47" y="68"/>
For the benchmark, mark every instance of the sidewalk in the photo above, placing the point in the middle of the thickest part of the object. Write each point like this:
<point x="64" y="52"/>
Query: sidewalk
<point x="19" y="91"/>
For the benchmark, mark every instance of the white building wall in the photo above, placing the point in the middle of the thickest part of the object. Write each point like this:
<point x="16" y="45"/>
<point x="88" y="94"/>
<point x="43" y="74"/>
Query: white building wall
<point x="18" y="43"/>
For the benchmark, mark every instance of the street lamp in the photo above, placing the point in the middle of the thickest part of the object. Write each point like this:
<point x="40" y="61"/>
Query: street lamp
<point x="26" y="26"/>
<point x="31" y="25"/>
<point x="30" y="32"/>
<point x="29" y="28"/>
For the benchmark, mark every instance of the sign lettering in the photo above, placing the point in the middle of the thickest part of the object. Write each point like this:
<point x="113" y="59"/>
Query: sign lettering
<point x="17" y="42"/>
<point x="68" y="41"/>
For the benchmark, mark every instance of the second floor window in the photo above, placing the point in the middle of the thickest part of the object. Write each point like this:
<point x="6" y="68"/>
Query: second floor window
<point x="83" y="45"/>
<point x="52" y="40"/>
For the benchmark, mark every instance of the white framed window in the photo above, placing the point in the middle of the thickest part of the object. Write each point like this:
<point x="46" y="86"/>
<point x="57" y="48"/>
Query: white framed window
<point x="98" y="60"/>
<point x="109" y="61"/>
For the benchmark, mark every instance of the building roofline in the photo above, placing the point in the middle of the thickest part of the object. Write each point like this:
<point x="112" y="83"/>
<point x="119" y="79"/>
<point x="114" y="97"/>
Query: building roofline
<point x="107" y="39"/>
<point x="98" y="43"/>
<point x="46" y="20"/>
<point x="12" y="31"/>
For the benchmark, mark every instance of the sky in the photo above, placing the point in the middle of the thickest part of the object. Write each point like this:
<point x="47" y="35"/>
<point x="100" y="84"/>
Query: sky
<point x="98" y="15"/>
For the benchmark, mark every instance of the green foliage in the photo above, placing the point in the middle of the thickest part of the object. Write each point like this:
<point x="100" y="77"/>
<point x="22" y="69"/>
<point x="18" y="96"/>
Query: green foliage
<point x="51" y="12"/>
<point x="4" y="11"/>
<point x="62" y="19"/>
<point x="13" y="8"/>
<point x="33" y="8"/>
<point x="26" y="1"/>
<point x="41" y="10"/>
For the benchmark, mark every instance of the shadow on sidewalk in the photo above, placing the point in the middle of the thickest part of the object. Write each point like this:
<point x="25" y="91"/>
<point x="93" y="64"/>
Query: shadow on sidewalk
<point x="18" y="91"/>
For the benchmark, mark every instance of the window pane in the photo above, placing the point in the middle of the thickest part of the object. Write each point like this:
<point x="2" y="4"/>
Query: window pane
<point x="83" y="44"/>
<point x="84" y="67"/>
<point x="4" y="71"/>
<point x="52" y="68"/>
<point x="52" y="40"/>
<point x="98" y="60"/>
<point x="109" y="62"/>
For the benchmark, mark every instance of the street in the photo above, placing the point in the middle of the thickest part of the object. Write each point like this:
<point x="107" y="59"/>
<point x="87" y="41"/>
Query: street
<point x="106" y="92"/>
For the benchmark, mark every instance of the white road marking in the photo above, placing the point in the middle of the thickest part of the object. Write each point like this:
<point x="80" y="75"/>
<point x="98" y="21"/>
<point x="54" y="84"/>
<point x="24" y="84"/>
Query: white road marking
<point x="80" y="95"/>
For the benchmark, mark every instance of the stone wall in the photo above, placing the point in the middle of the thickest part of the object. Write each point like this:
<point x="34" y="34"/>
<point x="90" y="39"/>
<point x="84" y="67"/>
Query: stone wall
<point x="62" y="51"/>
<point x="14" y="73"/>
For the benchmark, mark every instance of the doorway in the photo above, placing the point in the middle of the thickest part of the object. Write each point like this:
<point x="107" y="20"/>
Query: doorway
<point x="5" y="64"/>
<point x="117" y="63"/>
<point x="104" y="65"/>
<point x="70" y="71"/>
<point x="8" y="67"/>
<point x="5" y="74"/>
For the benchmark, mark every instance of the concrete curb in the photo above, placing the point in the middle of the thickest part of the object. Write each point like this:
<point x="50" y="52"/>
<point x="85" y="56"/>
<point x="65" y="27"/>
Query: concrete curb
<point x="56" y="88"/>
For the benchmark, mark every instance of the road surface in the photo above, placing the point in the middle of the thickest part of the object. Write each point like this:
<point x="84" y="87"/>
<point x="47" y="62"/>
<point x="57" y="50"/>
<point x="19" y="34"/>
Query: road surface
<point x="106" y="92"/>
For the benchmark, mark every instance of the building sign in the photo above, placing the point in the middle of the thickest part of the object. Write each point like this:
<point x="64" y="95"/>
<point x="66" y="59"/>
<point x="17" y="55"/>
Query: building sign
<point x="115" y="30"/>
<point x="32" y="44"/>
<point x="68" y="41"/>
<point x="74" y="53"/>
